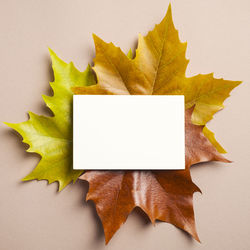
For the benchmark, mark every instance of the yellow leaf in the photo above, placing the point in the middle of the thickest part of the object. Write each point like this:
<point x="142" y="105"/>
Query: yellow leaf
<point x="210" y="135"/>
<point x="51" y="137"/>
<point x="161" y="55"/>
<point x="158" y="69"/>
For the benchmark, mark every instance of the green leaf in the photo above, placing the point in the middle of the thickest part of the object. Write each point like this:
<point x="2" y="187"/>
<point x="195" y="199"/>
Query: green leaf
<point x="51" y="137"/>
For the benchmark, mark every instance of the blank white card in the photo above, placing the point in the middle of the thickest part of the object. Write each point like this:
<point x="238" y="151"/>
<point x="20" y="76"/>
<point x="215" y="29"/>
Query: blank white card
<point x="128" y="132"/>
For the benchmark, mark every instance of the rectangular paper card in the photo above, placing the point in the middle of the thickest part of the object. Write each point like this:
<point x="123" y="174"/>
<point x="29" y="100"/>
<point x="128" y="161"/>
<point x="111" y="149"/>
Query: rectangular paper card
<point x="128" y="132"/>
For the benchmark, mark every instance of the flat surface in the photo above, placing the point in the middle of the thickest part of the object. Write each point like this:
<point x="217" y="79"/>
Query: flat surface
<point x="128" y="132"/>
<point x="33" y="216"/>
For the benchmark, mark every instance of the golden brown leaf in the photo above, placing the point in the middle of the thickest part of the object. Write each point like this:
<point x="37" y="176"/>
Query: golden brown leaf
<point x="158" y="69"/>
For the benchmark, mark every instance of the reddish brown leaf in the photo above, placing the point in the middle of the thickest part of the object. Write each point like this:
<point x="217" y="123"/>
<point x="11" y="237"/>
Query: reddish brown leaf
<point x="162" y="195"/>
<point x="198" y="147"/>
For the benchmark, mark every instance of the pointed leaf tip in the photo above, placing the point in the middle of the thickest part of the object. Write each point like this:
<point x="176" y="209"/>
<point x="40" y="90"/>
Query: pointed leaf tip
<point x="130" y="54"/>
<point x="95" y="37"/>
<point x="169" y="9"/>
<point x="51" y="52"/>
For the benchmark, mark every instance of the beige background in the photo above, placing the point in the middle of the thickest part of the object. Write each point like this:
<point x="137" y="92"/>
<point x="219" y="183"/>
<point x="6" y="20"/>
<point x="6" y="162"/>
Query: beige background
<point x="33" y="215"/>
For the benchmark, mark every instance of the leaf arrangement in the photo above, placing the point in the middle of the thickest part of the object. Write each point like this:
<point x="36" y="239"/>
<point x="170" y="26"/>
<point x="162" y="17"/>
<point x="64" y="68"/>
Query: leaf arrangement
<point x="158" y="68"/>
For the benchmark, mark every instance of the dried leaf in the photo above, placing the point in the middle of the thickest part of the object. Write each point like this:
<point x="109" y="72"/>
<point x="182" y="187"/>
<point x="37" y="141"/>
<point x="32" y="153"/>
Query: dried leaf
<point x="158" y="69"/>
<point x="162" y="195"/>
<point x="197" y="146"/>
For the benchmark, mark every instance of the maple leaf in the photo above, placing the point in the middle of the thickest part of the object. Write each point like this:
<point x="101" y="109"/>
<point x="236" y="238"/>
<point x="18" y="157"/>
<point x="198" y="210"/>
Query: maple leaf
<point x="162" y="195"/>
<point x="51" y="137"/>
<point x="158" y="69"/>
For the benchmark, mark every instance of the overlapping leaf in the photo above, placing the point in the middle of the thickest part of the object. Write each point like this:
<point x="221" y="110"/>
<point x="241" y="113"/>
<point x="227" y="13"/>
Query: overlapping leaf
<point x="51" y="137"/>
<point x="157" y="69"/>
<point x="162" y="195"/>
